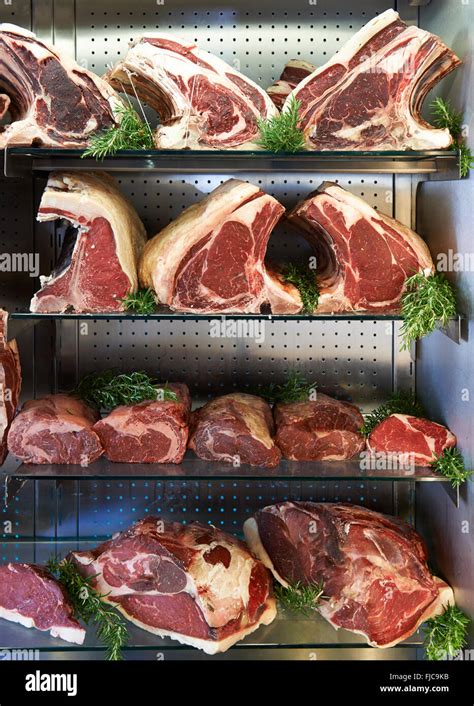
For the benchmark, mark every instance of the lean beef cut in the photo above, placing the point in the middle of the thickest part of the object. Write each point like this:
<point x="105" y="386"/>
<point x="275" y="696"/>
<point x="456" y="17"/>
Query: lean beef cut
<point x="55" y="429"/>
<point x="369" y="95"/>
<point x="10" y="383"/>
<point x="54" y="102"/>
<point x="203" y="102"/>
<point x="373" y="567"/>
<point x="410" y="438"/>
<point x="192" y="583"/>
<point x="31" y="596"/>
<point x="98" y="262"/>
<point x="293" y="73"/>
<point x="363" y="257"/>
<point x="211" y="258"/>
<point x="235" y="428"/>
<point x="323" y="429"/>
<point x="148" y="432"/>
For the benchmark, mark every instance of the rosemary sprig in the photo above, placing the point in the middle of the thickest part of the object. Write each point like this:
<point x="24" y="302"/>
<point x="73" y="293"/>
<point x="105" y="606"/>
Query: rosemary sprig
<point x="304" y="279"/>
<point x="450" y="464"/>
<point x="89" y="605"/>
<point x="300" y="598"/>
<point x="401" y="402"/>
<point x="281" y="133"/>
<point x="445" y="117"/>
<point x="445" y="635"/>
<point x="466" y="159"/>
<point x="110" y="389"/>
<point x="428" y="299"/>
<point x="295" y="389"/>
<point x="131" y="133"/>
<point x="141" y="302"/>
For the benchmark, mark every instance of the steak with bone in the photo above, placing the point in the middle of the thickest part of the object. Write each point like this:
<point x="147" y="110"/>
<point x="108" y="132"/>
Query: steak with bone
<point x="373" y="566"/>
<point x="203" y="102"/>
<point x="98" y="262"/>
<point x="410" y="438"/>
<point x="363" y="257"/>
<point x="236" y="428"/>
<point x="293" y="73"/>
<point x="148" y="432"/>
<point x="55" y="429"/>
<point x="323" y="429"/>
<point x="10" y="383"/>
<point x="192" y="583"/>
<point x="31" y="596"/>
<point x="369" y="95"/>
<point x="211" y="258"/>
<point x="53" y="102"/>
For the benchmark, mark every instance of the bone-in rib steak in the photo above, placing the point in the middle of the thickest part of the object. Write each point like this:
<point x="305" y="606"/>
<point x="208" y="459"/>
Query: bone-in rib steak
<point x="363" y="256"/>
<point x="54" y="102"/>
<point x="98" y="262"/>
<point x="373" y="567"/>
<point x="369" y="95"/>
<point x="192" y="583"/>
<point x="10" y="383"/>
<point x="202" y="101"/>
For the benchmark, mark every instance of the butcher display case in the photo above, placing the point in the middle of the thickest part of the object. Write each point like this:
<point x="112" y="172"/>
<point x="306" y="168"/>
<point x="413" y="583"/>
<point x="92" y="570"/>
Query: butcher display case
<point x="50" y="510"/>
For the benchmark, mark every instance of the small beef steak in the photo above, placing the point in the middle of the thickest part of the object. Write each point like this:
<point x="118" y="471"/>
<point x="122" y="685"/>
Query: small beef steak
<point x="10" y="383"/>
<point x="294" y="71"/>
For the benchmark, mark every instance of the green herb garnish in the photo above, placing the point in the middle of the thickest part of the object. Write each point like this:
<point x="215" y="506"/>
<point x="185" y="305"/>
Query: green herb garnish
<point x="401" y="402"/>
<point x="110" y="389"/>
<point x="445" y="117"/>
<point x="450" y="464"/>
<point x="427" y="301"/>
<point x="304" y="279"/>
<point x="445" y="635"/>
<point x="295" y="389"/>
<point x="89" y="606"/>
<point x="141" y="302"/>
<point x="299" y="597"/>
<point x="281" y="133"/>
<point x="131" y="133"/>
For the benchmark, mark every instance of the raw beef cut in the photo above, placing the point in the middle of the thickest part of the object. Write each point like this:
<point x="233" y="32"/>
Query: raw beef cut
<point x="323" y="429"/>
<point x="210" y="259"/>
<point x="148" y="432"/>
<point x="98" y="262"/>
<point x="363" y="256"/>
<point x="4" y="105"/>
<point x="10" y="383"/>
<point x="54" y="101"/>
<point x="203" y="102"/>
<point x="369" y="95"/>
<point x="293" y="73"/>
<point x="410" y="438"/>
<point x="29" y="595"/>
<point x="55" y="429"/>
<point x="192" y="583"/>
<point x="235" y="428"/>
<point x="373" y="567"/>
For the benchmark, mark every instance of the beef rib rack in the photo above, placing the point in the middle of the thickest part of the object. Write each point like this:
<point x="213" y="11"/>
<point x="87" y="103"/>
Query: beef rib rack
<point x="10" y="382"/>
<point x="53" y="102"/>
<point x="192" y="583"/>
<point x="106" y="230"/>
<point x="373" y="567"/>
<point x="211" y="258"/>
<point x="203" y="102"/>
<point x="369" y="95"/>
<point x="363" y="256"/>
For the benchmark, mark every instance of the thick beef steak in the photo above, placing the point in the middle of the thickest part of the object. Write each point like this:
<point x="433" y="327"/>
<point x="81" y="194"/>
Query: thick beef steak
<point x="10" y="383"/>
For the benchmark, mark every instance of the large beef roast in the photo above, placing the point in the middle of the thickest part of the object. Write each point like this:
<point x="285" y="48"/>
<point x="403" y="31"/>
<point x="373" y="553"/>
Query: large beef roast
<point x="10" y="382"/>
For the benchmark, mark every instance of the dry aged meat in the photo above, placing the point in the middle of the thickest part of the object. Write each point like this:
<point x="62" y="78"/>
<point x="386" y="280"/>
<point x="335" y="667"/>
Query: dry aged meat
<point x="53" y="102"/>
<point x="55" y="429"/>
<point x="148" y="432"/>
<point x="323" y="429"/>
<point x="10" y="383"/>
<point x="29" y="595"/>
<point x="363" y="256"/>
<point x="98" y="262"/>
<point x="203" y="102"/>
<point x="211" y="258"/>
<point x="373" y="566"/>
<point x="369" y="95"/>
<point x="4" y="105"/>
<point x="235" y="428"/>
<point x="410" y="438"/>
<point x="294" y="72"/>
<point x="192" y="583"/>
